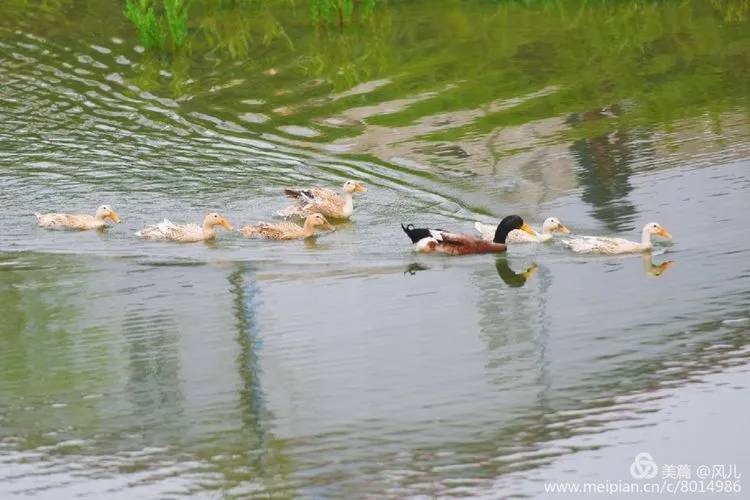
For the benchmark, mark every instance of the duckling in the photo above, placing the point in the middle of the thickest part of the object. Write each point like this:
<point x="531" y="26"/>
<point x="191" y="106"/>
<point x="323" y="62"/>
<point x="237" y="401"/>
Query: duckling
<point x="287" y="230"/>
<point x="614" y="246"/>
<point x="78" y="221"/>
<point x="186" y="233"/>
<point x="326" y="202"/>
<point x="550" y="225"/>
<point x="436" y="240"/>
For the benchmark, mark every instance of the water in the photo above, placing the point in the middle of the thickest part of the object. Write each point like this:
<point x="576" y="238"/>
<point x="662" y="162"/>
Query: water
<point x="348" y="366"/>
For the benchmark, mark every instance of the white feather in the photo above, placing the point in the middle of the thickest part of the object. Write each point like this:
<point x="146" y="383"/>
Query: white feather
<point x="436" y="234"/>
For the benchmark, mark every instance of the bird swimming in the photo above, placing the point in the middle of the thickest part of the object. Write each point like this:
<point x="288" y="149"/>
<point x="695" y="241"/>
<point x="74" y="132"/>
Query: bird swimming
<point x="615" y="246"/>
<point x="428" y="240"/>
<point x="185" y="233"/>
<point x="326" y="202"/>
<point x="287" y="230"/>
<point x="80" y="222"/>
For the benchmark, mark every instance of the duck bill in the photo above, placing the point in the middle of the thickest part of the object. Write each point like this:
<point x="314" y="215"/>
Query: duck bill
<point x="664" y="234"/>
<point x="529" y="272"/>
<point x="226" y="225"/>
<point x="527" y="229"/>
<point x="328" y="226"/>
<point x="562" y="229"/>
<point x="360" y="188"/>
<point x="114" y="217"/>
<point x="665" y="265"/>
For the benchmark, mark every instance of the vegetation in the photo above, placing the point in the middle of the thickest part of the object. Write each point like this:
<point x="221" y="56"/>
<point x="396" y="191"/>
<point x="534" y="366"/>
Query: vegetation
<point x="339" y="11"/>
<point x="158" y="22"/>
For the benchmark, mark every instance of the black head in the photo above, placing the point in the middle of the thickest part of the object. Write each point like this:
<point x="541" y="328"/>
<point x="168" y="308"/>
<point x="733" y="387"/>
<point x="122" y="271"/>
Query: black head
<point x="415" y="233"/>
<point x="507" y="225"/>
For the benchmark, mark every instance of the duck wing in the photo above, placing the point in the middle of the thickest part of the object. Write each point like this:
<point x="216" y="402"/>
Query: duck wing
<point x="66" y="221"/>
<point x="486" y="230"/>
<point x="281" y="231"/>
<point x="315" y="195"/>
<point x="325" y="201"/>
<point x="462" y="244"/>
<point x="417" y="233"/>
<point x="598" y="244"/>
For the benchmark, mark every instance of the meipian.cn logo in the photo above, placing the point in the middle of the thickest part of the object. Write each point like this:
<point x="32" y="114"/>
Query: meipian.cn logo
<point x="643" y="466"/>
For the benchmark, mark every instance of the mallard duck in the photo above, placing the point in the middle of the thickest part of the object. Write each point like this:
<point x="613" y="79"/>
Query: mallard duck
<point x="287" y="230"/>
<point x="550" y="225"/>
<point x="327" y="202"/>
<point x="186" y="233"/>
<point x="437" y="240"/>
<point x="78" y="221"/>
<point x="614" y="246"/>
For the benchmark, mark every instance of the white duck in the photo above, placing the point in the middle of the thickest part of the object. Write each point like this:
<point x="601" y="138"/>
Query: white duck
<point x="78" y="221"/>
<point x="550" y="225"/>
<point x="186" y="233"/>
<point x="614" y="246"/>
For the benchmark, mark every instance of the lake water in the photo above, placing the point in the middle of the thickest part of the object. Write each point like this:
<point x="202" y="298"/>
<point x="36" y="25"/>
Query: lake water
<point x="348" y="366"/>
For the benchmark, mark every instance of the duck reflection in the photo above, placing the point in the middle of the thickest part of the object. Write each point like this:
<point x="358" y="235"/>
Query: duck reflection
<point x="512" y="278"/>
<point x="655" y="270"/>
<point x="415" y="267"/>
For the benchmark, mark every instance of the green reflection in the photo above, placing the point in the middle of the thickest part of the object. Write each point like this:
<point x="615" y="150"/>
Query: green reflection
<point x="510" y="277"/>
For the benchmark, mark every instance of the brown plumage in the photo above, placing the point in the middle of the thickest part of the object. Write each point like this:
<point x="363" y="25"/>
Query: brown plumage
<point x="459" y="244"/>
<point x="428" y="240"/>
<point x="286" y="230"/>
<point x="324" y="201"/>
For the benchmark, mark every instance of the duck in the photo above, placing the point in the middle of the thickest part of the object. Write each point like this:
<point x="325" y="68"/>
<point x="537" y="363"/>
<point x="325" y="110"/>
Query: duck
<point x="437" y="240"/>
<point x="186" y="233"/>
<point x="326" y="202"/>
<point x="78" y="221"/>
<point x="616" y="246"/>
<point x="287" y="230"/>
<point x="550" y="225"/>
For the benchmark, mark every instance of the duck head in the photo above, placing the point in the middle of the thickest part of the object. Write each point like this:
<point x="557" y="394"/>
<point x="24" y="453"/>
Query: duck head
<point x="106" y="212"/>
<point x="508" y="224"/>
<point x="655" y="228"/>
<point x="214" y="219"/>
<point x="553" y="225"/>
<point x="317" y="220"/>
<point x="351" y="187"/>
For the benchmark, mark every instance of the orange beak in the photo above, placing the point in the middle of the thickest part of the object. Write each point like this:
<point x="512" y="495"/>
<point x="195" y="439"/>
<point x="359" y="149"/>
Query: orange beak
<point x="327" y="225"/>
<point x="114" y="217"/>
<point x="225" y="224"/>
<point x="529" y="272"/>
<point x="562" y="229"/>
<point x="664" y="234"/>
<point x="360" y="188"/>
<point x="527" y="229"/>
<point x="665" y="265"/>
